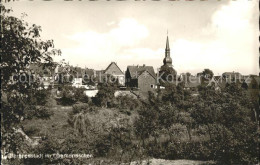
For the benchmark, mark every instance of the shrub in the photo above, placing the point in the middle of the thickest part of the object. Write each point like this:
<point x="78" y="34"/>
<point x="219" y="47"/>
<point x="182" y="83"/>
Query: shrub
<point x="42" y="96"/>
<point x="80" y="95"/>
<point x="127" y="102"/>
<point x="105" y="96"/>
<point x="79" y="107"/>
<point x="70" y="95"/>
<point x="43" y="112"/>
<point x="32" y="130"/>
<point x="67" y="96"/>
<point x="51" y="102"/>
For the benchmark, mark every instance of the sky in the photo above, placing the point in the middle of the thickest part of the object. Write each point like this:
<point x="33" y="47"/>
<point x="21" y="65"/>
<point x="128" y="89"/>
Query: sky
<point x="219" y="35"/>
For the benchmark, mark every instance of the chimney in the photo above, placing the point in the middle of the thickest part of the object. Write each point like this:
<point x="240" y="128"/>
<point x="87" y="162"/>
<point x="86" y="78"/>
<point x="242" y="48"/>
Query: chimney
<point x="143" y="65"/>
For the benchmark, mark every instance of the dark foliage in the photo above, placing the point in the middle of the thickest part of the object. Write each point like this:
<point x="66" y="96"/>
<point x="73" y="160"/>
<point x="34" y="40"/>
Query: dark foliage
<point x="20" y="46"/>
<point x="70" y="95"/>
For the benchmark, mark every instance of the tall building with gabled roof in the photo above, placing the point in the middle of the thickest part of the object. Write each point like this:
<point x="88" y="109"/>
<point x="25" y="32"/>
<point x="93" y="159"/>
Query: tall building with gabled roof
<point x="141" y="77"/>
<point x="114" y="70"/>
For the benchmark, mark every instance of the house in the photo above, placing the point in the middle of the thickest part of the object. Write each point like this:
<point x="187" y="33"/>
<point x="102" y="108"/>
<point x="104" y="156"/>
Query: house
<point x="115" y="71"/>
<point x="192" y="83"/>
<point x="75" y="76"/>
<point x="232" y="76"/>
<point x="112" y="69"/>
<point x="218" y="82"/>
<point x="140" y="77"/>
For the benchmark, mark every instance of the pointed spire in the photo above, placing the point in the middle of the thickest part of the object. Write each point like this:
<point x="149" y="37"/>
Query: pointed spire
<point x="167" y="44"/>
<point x="167" y="60"/>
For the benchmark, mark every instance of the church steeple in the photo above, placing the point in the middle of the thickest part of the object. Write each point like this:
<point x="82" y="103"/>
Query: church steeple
<point x="167" y="44"/>
<point x="167" y="60"/>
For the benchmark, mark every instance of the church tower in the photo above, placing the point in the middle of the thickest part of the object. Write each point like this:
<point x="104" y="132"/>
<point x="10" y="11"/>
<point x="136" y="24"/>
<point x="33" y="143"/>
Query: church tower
<point x="167" y="60"/>
<point x="167" y="67"/>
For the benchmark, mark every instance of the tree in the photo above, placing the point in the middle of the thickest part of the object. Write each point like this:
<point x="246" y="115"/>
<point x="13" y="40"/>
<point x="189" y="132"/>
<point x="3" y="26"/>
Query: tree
<point x="206" y="75"/>
<point x="80" y="123"/>
<point x="167" y="117"/>
<point x="167" y="75"/>
<point x="244" y="85"/>
<point x="231" y="125"/>
<point x="147" y="123"/>
<point x="106" y="90"/>
<point x="20" y="46"/>
<point x="80" y="95"/>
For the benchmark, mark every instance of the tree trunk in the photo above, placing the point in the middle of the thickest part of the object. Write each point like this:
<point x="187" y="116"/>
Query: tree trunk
<point x="189" y="132"/>
<point x="170" y="135"/>
<point x="210" y="136"/>
<point x="143" y="142"/>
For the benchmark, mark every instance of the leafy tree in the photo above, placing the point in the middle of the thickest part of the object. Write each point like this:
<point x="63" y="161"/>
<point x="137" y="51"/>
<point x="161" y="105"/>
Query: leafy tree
<point x="175" y="95"/>
<point x="186" y="119"/>
<point x="80" y="123"/>
<point x="127" y="103"/>
<point x="231" y="126"/>
<point x="167" y="117"/>
<point x="207" y="73"/>
<point x="147" y="124"/>
<point x="80" y="95"/>
<point x="244" y="85"/>
<point x="106" y="90"/>
<point x="42" y="96"/>
<point x="20" y="46"/>
<point x="67" y="95"/>
<point x="167" y="75"/>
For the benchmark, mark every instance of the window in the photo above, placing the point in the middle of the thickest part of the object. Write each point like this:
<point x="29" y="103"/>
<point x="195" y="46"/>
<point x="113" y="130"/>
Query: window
<point x="152" y="86"/>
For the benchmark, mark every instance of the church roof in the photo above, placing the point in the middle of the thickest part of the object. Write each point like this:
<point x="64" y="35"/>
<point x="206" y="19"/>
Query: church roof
<point x="136" y="71"/>
<point x="167" y="60"/>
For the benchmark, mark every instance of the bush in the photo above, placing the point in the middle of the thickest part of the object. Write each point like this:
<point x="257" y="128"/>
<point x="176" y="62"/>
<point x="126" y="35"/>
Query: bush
<point x="67" y="97"/>
<point x="79" y="107"/>
<point x="42" y="96"/>
<point x="51" y="102"/>
<point x="43" y="112"/>
<point x="70" y="95"/>
<point x="127" y="102"/>
<point x="32" y="130"/>
<point x="105" y="96"/>
<point x="80" y="95"/>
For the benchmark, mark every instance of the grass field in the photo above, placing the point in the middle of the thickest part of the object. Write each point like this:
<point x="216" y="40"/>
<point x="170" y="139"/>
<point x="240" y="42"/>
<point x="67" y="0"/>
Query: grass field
<point x="56" y="125"/>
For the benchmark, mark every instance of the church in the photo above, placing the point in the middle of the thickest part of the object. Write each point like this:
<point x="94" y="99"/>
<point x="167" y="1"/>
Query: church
<point x="167" y="72"/>
<point x="143" y="77"/>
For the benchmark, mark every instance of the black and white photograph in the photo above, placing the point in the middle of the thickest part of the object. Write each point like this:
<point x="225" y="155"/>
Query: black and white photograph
<point x="130" y="82"/>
